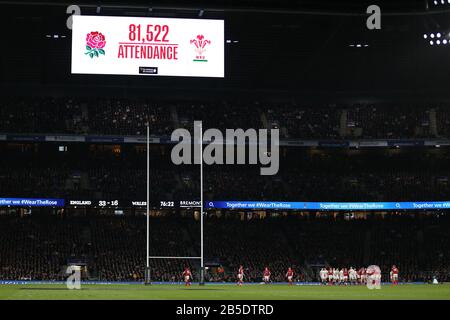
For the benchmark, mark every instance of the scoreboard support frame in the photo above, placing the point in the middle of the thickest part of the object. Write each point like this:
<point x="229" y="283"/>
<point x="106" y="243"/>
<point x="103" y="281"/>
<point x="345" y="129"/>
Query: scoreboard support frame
<point x="201" y="258"/>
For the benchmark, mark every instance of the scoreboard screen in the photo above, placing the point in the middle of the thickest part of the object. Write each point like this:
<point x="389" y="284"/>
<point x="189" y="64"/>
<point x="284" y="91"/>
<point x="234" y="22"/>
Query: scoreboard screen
<point x="147" y="46"/>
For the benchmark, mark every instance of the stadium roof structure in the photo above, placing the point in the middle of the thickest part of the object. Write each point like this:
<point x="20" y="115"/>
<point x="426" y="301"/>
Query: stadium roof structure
<point x="292" y="47"/>
<point x="286" y="6"/>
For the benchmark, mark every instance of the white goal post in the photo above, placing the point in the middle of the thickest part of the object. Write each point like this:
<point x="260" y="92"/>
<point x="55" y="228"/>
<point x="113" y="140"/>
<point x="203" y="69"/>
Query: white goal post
<point x="148" y="257"/>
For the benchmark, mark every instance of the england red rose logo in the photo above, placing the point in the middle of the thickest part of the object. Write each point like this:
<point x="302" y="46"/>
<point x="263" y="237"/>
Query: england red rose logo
<point x="95" y="43"/>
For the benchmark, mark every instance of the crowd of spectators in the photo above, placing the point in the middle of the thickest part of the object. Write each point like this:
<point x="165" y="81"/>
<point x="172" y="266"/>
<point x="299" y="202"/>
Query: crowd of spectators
<point x="34" y="247"/>
<point x="98" y="183"/>
<point x="33" y="182"/>
<point x="264" y="244"/>
<point x="303" y="176"/>
<point x="130" y="184"/>
<point x="443" y="121"/>
<point x="107" y="183"/>
<point x="436" y="252"/>
<point x="113" y="247"/>
<point x="222" y="115"/>
<point x="389" y="122"/>
<point x="37" y="249"/>
<point x="118" y="248"/>
<point x="40" y="115"/>
<point x="128" y="116"/>
<point x="296" y="185"/>
<point x="304" y="122"/>
<point x="84" y="116"/>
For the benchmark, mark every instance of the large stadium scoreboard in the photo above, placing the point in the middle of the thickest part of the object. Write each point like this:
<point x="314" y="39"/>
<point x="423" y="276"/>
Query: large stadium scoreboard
<point x="147" y="46"/>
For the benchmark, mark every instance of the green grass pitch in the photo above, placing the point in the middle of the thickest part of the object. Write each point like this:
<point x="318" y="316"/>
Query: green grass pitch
<point x="224" y="292"/>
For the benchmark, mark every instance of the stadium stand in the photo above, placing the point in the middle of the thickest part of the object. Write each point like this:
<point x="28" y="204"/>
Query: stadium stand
<point x="118" y="172"/>
<point x="121" y="116"/>
<point x="38" y="247"/>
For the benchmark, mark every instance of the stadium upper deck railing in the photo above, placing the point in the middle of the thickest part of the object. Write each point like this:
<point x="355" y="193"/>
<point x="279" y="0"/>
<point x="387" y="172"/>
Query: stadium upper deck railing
<point x="342" y="143"/>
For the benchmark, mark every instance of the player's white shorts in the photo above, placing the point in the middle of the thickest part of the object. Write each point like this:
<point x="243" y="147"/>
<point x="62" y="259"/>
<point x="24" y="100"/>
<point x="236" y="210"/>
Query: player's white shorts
<point x="323" y="278"/>
<point x="240" y="276"/>
<point x="395" y="277"/>
<point x="289" y="278"/>
<point x="352" y="277"/>
<point x="266" y="278"/>
<point x="345" y="278"/>
<point x="186" y="278"/>
<point x="330" y="278"/>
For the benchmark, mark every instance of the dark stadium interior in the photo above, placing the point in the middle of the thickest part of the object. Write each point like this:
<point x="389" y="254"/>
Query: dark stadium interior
<point x="118" y="172"/>
<point x="39" y="246"/>
<point x="356" y="124"/>
<point x="305" y="55"/>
